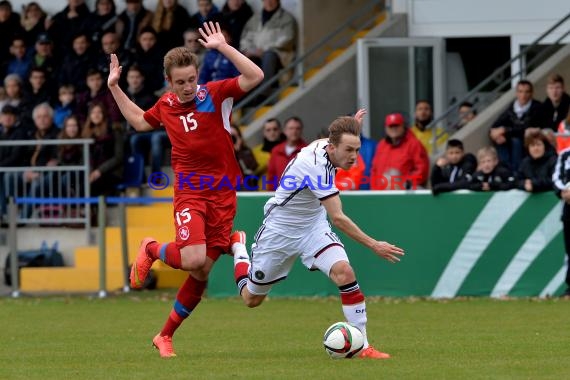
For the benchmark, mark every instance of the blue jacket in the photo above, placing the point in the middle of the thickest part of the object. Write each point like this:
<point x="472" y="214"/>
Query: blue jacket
<point x="216" y="67"/>
<point x="367" y="151"/>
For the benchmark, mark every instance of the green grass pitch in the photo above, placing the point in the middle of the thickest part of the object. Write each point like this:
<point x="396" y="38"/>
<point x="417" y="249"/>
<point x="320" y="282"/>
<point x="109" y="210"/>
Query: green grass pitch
<point x="88" y="338"/>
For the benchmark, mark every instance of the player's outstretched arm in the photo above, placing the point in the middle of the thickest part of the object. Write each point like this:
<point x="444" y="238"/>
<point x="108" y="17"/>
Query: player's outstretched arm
<point x="212" y="38"/>
<point x="383" y="249"/>
<point x="132" y="113"/>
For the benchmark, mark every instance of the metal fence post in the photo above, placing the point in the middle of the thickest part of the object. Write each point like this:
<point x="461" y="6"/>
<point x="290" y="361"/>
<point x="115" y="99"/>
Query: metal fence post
<point x="101" y="213"/>
<point x="124" y="245"/>
<point x="13" y="244"/>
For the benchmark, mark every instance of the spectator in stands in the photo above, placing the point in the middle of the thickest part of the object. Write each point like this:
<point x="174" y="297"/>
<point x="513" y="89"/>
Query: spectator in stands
<point x="191" y="37"/>
<point x="36" y="183"/>
<point x="148" y="57"/>
<point x="269" y="39"/>
<point x="97" y="93"/>
<point x="43" y="59"/>
<point x="9" y="28"/>
<point x="490" y="175"/>
<point x="67" y="24"/>
<point x="68" y="154"/>
<point x="466" y="113"/>
<point x="455" y="170"/>
<point x="37" y="91"/>
<point x="423" y="116"/>
<point x="282" y="153"/>
<point x="21" y="60"/>
<point x="110" y="44"/>
<point x="563" y="138"/>
<point x="77" y="63"/>
<point x="272" y="136"/>
<point x="102" y="20"/>
<point x="216" y="66"/>
<point x="66" y="105"/>
<point x="14" y="92"/>
<point x="170" y="20"/>
<point x="561" y="179"/>
<point x="155" y="142"/>
<point x="401" y="161"/>
<point x="206" y="12"/>
<point x="535" y="173"/>
<point x="350" y="179"/>
<point x="33" y="22"/>
<point x="555" y="107"/>
<point x="235" y="14"/>
<point x="10" y="129"/>
<point x="245" y="159"/>
<point x="106" y="153"/>
<point x="507" y="132"/>
<point x="133" y="20"/>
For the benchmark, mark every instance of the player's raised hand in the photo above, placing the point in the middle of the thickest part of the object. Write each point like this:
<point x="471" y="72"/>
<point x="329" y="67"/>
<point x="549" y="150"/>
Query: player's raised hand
<point x="359" y="115"/>
<point x="114" y="71"/>
<point x="212" y="35"/>
<point x="388" y="251"/>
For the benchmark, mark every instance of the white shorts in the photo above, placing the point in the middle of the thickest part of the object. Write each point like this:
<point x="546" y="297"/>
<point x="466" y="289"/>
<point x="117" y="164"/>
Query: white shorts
<point x="273" y="255"/>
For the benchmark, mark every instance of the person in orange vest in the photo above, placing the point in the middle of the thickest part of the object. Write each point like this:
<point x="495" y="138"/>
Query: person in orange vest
<point x="350" y="179"/>
<point x="563" y="142"/>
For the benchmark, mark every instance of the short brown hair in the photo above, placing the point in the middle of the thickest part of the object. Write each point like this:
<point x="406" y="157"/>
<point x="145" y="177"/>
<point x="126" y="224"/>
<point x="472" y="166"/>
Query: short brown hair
<point x="533" y="136"/>
<point x="555" y="78"/>
<point x="343" y="125"/>
<point x="179" y="57"/>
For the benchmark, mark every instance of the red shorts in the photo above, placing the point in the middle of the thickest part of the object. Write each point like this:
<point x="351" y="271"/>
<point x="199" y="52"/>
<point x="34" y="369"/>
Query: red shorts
<point x="200" y="220"/>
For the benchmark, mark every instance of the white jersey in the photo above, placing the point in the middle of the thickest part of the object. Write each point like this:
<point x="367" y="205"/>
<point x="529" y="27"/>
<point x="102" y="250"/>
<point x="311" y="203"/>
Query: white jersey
<point x="307" y="180"/>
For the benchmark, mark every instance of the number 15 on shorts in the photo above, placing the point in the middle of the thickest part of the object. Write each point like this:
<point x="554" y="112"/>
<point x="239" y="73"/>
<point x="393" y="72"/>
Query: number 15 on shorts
<point x="183" y="217"/>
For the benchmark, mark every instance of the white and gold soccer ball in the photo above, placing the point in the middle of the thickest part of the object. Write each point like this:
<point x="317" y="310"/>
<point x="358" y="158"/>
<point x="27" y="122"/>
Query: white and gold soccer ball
<point x="343" y="340"/>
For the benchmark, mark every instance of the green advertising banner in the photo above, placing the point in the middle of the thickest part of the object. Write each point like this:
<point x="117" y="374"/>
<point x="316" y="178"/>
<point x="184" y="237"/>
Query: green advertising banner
<point x="458" y="244"/>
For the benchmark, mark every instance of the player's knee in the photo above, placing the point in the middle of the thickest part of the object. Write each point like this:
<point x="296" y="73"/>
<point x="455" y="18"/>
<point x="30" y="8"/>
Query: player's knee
<point x="193" y="262"/>
<point x="342" y="273"/>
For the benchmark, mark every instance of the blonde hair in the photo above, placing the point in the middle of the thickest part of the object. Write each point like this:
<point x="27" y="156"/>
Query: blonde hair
<point x="179" y="57"/>
<point x="487" y="151"/>
<point x="162" y="19"/>
<point x="343" y="125"/>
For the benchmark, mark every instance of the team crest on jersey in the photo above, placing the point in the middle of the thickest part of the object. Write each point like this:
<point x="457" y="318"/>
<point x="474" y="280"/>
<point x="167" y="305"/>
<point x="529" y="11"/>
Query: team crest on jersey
<point x="170" y="101"/>
<point x="259" y="275"/>
<point x="201" y="95"/>
<point x="184" y="233"/>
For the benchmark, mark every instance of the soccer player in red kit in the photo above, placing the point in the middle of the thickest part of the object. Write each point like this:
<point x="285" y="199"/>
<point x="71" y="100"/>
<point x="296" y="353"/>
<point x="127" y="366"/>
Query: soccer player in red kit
<point x="197" y="121"/>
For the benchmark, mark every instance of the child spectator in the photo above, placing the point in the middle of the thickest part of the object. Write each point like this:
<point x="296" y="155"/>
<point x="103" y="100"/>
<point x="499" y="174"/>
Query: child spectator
<point x="455" y="170"/>
<point x="535" y="173"/>
<point x="66" y="107"/>
<point x="491" y="176"/>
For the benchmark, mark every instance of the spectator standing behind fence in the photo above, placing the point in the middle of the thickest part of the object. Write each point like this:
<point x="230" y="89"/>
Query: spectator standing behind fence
<point x="535" y="172"/>
<point x="272" y="136"/>
<point x="245" y="159"/>
<point x="170" y="20"/>
<point x="106" y="153"/>
<point x="400" y="158"/>
<point x="423" y="115"/>
<point x="133" y="20"/>
<point x="561" y="180"/>
<point x="235" y="14"/>
<point x="10" y="129"/>
<point x="490" y="175"/>
<point x="269" y="39"/>
<point x="283" y="153"/>
<point x="507" y="132"/>
<point x="455" y="170"/>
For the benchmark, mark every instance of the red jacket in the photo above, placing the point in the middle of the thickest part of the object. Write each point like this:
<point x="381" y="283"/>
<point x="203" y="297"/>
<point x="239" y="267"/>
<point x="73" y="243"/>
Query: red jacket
<point x="278" y="162"/>
<point x="393" y="165"/>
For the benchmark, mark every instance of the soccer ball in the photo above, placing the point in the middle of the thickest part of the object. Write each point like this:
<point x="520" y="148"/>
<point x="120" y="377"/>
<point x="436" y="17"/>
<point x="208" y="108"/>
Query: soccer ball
<point x="343" y="340"/>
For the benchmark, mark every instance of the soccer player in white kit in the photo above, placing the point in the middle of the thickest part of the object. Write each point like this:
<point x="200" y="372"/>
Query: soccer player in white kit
<point x="295" y="225"/>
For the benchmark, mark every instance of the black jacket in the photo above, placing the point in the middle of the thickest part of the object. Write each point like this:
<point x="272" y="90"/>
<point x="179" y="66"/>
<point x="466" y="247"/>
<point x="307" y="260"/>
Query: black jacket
<point x="561" y="179"/>
<point x="538" y="171"/>
<point x="453" y="177"/>
<point x="500" y="178"/>
<point x="14" y="155"/>
<point x="550" y="116"/>
<point x="514" y="126"/>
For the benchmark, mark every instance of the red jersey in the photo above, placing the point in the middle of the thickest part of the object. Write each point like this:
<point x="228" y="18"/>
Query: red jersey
<point x="202" y="149"/>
